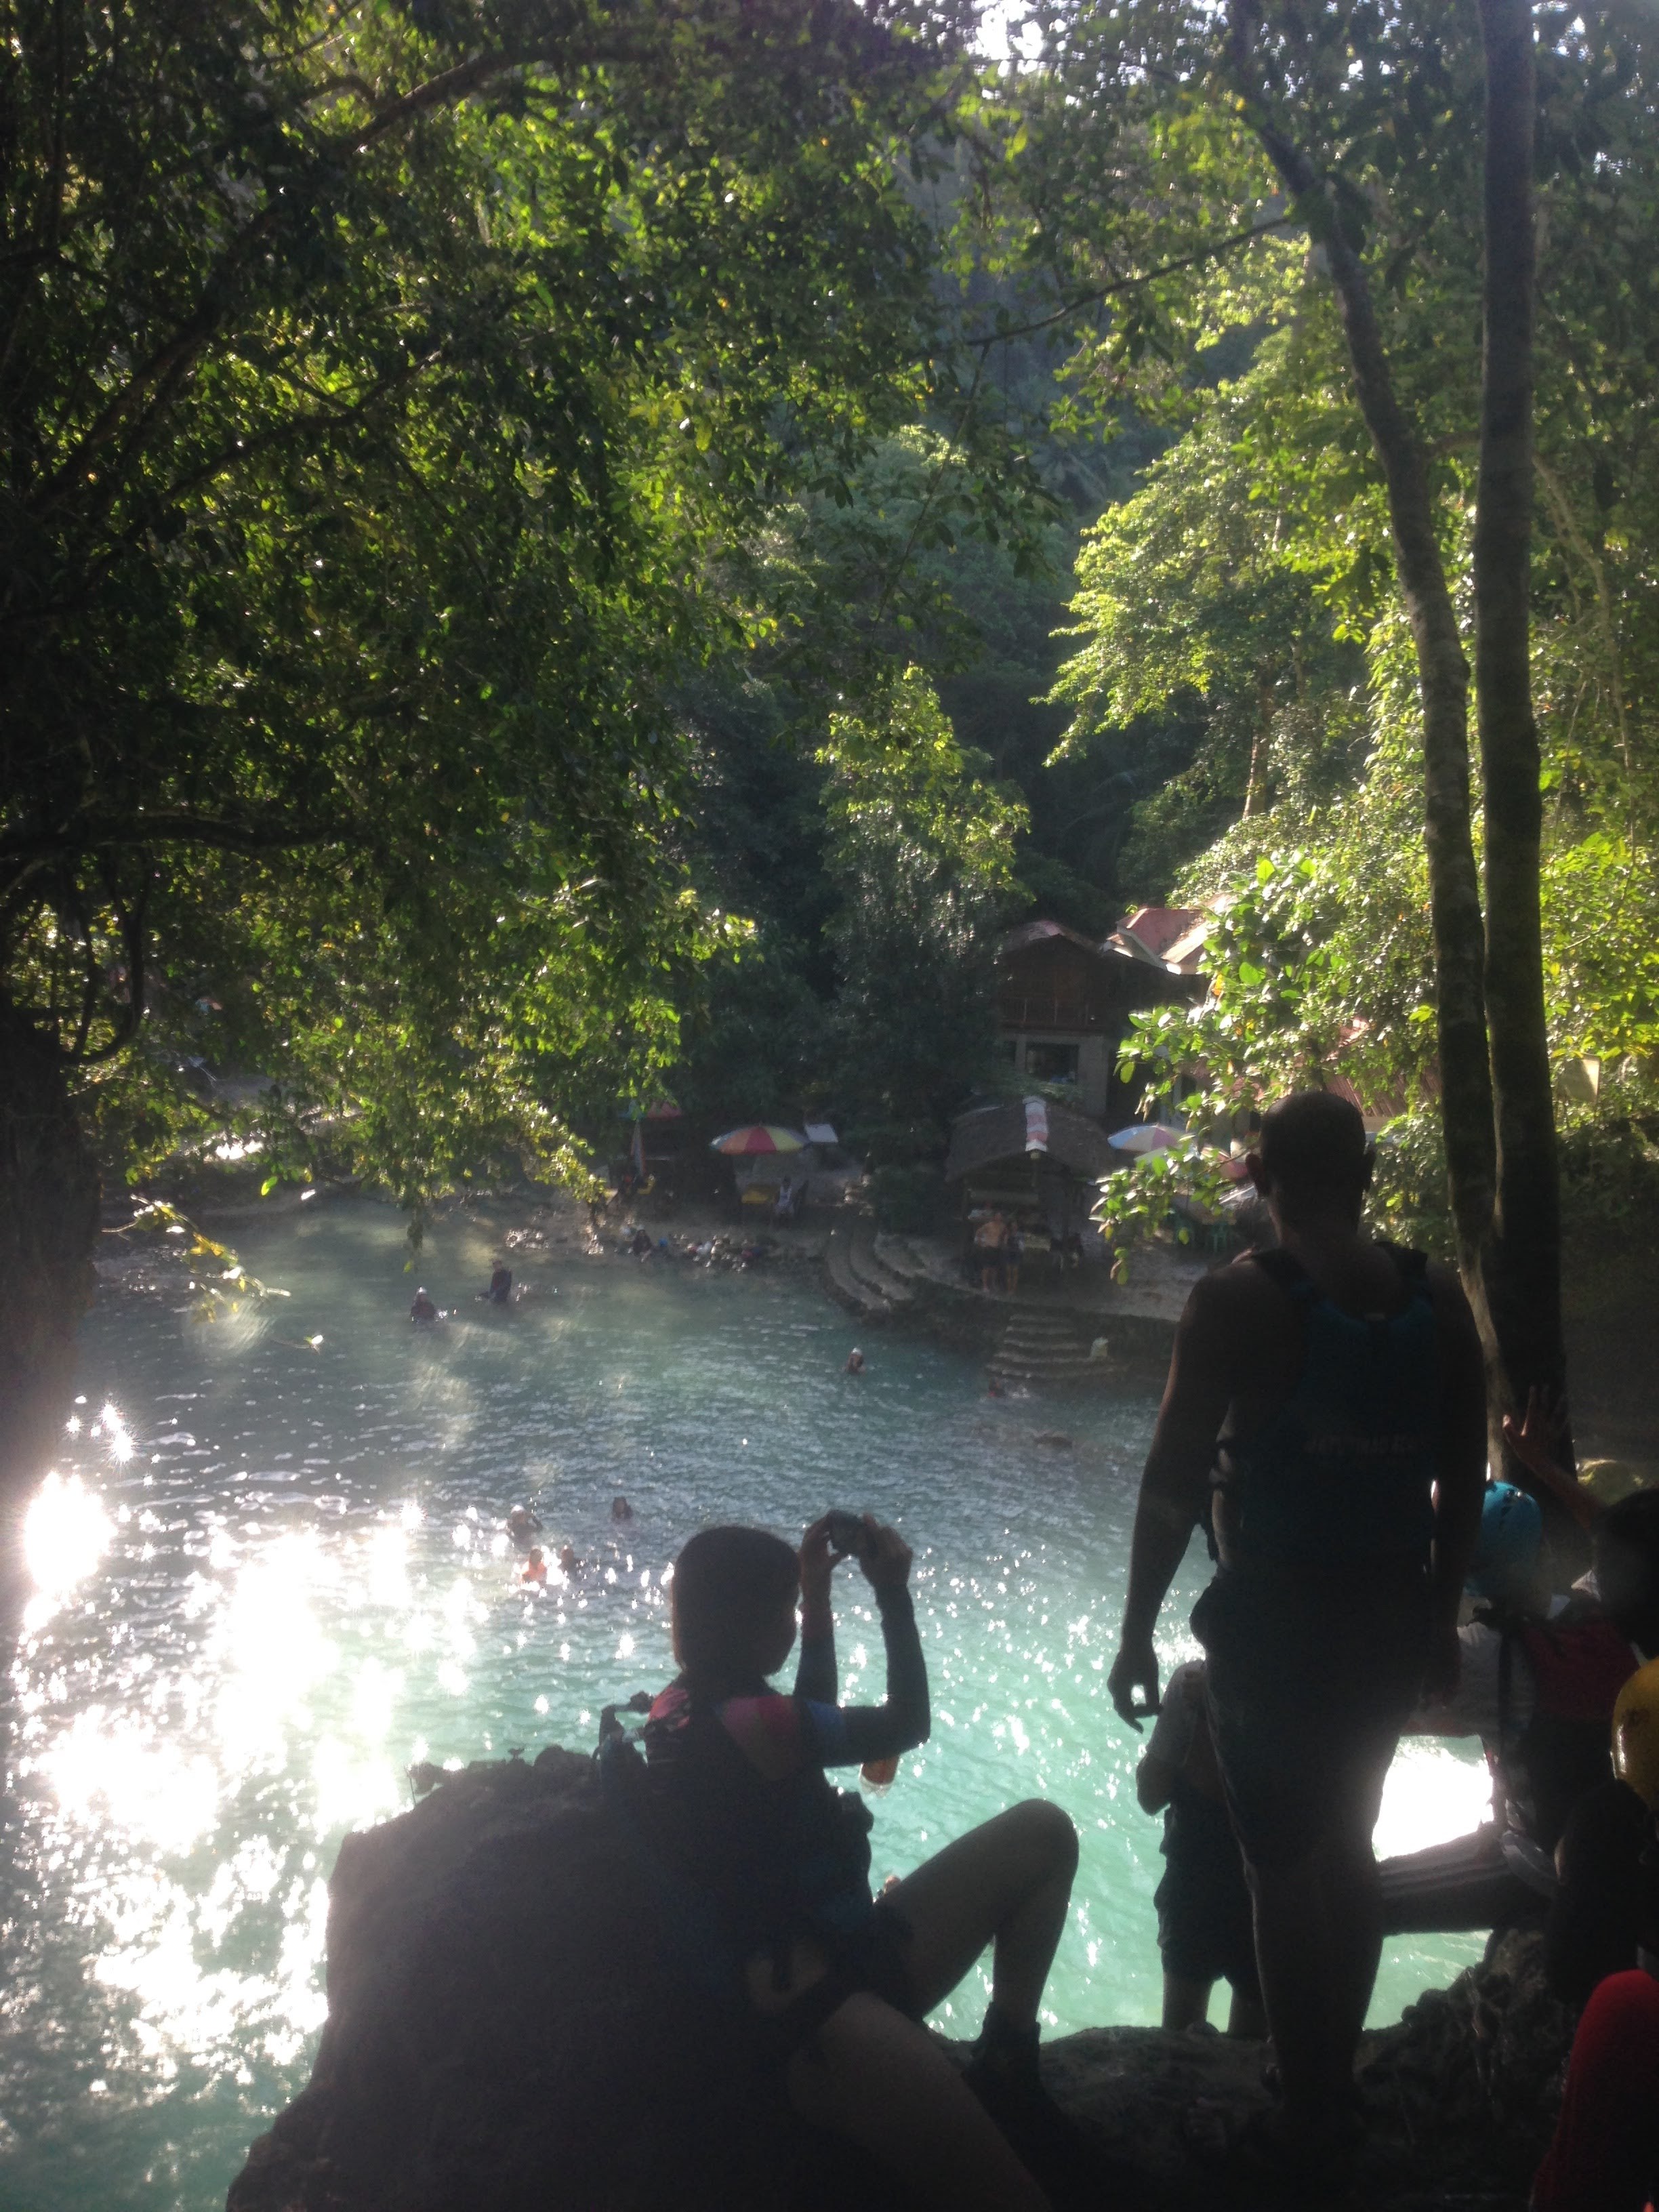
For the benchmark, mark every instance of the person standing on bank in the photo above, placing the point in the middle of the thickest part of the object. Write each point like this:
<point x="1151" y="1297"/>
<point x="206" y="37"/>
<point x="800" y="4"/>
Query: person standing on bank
<point x="1327" y="1401"/>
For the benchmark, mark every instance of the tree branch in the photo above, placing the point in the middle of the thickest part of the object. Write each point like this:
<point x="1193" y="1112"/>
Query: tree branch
<point x="93" y="833"/>
<point x="1210" y="253"/>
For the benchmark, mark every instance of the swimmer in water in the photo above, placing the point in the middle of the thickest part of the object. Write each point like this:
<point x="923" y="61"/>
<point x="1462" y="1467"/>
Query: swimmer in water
<point x="500" y="1292"/>
<point x="521" y="1526"/>
<point x="422" y="1308"/>
<point x="569" y="1562"/>
<point x="535" y="1567"/>
<point x="854" y="1362"/>
<point x="621" y="1510"/>
<point x="996" y="1387"/>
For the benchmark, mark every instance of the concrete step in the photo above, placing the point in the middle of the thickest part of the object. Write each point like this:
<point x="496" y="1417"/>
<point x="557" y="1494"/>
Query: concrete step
<point x="846" y="1286"/>
<point x="1045" y="1347"/>
<point x="900" y="1259"/>
<point x="866" y="1268"/>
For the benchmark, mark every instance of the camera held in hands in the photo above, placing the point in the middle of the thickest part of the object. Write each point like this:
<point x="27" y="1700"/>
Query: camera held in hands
<point x="848" y="1533"/>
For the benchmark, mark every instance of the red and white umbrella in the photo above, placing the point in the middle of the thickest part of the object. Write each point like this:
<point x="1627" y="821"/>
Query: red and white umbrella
<point x="759" y="1137"/>
<point x="1144" y="1137"/>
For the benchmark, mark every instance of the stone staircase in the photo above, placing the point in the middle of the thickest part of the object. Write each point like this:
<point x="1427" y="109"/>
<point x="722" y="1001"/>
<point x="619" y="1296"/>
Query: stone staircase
<point x="1042" y="1345"/>
<point x="858" y="1277"/>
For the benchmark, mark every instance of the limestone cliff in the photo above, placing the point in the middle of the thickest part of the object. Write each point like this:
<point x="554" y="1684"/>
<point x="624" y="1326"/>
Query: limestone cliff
<point x="508" y="2028"/>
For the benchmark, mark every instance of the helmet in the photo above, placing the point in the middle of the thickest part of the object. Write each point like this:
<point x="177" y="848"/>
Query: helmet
<point x="1636" y="1735"/>
<point x="1506" y="1550"/>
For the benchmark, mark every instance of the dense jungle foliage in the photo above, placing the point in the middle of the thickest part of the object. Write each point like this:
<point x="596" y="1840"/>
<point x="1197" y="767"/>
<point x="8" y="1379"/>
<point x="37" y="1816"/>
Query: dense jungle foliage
<point x="548" y="558"/>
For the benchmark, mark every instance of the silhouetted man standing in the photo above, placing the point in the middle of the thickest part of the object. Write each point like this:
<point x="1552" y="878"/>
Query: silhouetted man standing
<point x="1325" y="1401"/>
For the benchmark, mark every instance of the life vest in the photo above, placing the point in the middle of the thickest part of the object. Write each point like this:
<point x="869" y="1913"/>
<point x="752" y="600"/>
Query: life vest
<point x="1343" y="1473"/>
<point x="778" y="1858"/>
<point x="1579" y="1662"/>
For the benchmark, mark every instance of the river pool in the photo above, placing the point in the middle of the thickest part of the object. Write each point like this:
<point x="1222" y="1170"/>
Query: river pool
<point x="272" y="1575"/>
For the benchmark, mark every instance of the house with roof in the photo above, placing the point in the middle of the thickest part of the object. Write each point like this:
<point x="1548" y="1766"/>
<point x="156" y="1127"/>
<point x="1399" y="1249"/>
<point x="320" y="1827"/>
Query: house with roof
<point x="1063" y="1004"/>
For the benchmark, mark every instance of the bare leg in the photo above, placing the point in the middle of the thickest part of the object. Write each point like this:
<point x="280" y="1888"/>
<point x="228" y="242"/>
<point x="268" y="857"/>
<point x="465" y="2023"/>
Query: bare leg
<point x="877" y="2078"/>
<point x="1008" y="1882"/>
<point x="1318" y="1937"/>
<point x="1185" y="2002"/>
<point x="1245" y="2018"/>
<point x="1294" y="1957"/>
<point x="1354" y="1914"/>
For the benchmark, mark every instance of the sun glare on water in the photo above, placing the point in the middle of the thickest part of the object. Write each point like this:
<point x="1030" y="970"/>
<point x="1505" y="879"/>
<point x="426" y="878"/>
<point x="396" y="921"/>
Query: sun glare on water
<point x="271" y="1574"/>
<point x="66" y="1533"/>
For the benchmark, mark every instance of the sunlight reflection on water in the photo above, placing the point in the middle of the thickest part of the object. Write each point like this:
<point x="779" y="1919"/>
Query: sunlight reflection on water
<point x="270" y="1575"/>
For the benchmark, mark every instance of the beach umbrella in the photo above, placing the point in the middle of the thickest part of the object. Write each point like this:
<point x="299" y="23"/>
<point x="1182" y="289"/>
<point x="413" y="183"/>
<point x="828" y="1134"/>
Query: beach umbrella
<point x="758" y="1137"/>
<point x="1144" y="1137"/>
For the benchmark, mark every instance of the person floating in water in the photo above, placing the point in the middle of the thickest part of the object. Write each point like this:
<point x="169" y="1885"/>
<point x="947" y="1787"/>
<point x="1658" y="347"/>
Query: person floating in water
<point x="1341" y="1380"/>
<point x="522" y="1527"/>
<point x="736" y="1791"/>
<point x="1202" y="1902"/>
<point x="854" y="1362"/>
<point x="500" y="1292"/>
<point x="621" y="1510"/>
<point x="422" y="1308"/>
<point x="535" y="1567"/>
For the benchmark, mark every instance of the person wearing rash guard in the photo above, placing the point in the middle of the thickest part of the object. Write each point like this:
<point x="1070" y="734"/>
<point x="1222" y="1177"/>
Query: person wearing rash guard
<point x="1325" y="1401"/>
<point x="741" y="1805"/>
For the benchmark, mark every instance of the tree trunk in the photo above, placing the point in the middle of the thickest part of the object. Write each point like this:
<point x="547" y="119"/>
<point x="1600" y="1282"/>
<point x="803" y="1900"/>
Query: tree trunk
<point x="1523" y="1262"/>
<point x="1443" y="677"/>
<point x="49" y="1219"/>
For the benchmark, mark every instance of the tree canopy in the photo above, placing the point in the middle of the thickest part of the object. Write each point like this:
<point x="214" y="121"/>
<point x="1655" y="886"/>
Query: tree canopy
<point x="390" y="398"/>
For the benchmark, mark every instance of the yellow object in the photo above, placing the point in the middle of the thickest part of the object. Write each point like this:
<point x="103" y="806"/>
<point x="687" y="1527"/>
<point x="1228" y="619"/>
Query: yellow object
<point x="1636" y="1735"/>
<point x="1608" y="1480"/>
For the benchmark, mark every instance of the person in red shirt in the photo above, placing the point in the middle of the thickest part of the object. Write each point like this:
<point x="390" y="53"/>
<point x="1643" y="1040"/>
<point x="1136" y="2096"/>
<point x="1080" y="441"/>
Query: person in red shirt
<point x="1604" y="2157"/>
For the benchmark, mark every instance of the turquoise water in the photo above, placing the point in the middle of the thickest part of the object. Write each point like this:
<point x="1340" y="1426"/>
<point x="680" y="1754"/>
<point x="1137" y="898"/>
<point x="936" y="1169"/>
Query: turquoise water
<point x="272" y="1575"/>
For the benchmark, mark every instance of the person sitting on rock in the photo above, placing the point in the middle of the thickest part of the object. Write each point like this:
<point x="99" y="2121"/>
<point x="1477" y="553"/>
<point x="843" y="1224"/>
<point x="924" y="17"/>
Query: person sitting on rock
<point x="535" y="1567"/>
<point x="1203" y="1903"/>
<point x="1538" y="1672"/>
<point x="839" y="1984"/>
<point x="522" y="1528"/>
<point x="1605" y="2155"/>
<point x="422" y="1307"/>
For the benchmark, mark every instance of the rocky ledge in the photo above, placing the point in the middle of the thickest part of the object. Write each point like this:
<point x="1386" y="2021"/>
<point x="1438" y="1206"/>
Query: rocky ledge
<point x="505" y="2029"/>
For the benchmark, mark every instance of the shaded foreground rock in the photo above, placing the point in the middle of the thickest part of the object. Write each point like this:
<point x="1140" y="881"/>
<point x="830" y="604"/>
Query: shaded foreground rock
<point x="508" y="2028"/>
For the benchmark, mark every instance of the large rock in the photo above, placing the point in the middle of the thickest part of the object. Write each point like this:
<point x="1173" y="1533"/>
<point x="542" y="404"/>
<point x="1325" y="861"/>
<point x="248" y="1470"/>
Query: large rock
<point x="508" y="2028"/>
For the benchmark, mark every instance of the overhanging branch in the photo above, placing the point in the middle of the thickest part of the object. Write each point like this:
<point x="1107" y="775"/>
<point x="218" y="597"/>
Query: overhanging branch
<point x="109" y="833"/>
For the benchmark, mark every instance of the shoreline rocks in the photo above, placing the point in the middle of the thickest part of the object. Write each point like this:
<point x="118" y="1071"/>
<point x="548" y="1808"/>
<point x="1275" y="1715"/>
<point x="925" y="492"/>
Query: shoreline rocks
<point x="508" y="2028"/>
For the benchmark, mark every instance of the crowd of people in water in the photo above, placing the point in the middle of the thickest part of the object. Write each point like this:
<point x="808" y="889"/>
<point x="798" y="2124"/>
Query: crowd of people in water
<point x="1324" y="1426"/>
<point x="524" y="1525"/>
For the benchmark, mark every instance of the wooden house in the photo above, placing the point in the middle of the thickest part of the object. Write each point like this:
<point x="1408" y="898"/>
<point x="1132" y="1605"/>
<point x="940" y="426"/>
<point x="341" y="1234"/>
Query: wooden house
<point x="1063" y="1006"/>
